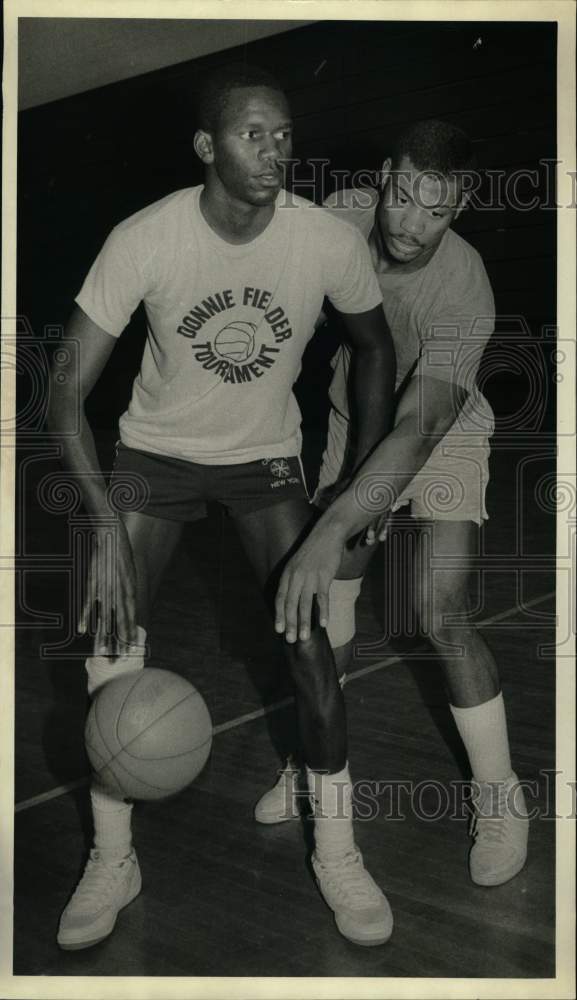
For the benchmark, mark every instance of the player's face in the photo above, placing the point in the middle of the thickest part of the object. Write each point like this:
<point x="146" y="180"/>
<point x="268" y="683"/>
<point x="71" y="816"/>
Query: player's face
<point x="414" y="212"/>
<point x="253" y="137"/>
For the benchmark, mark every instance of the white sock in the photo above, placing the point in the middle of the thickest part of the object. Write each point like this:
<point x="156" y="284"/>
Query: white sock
<point x="332" y="797"/>
<point x="101" y="669"/>
<point x="483" y="730"/>
<point x="112" y="825"/>
<point x="342" y="625"/>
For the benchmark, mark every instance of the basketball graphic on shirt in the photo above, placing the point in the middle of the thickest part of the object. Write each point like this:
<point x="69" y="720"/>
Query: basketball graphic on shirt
<point x="235" y="342"/>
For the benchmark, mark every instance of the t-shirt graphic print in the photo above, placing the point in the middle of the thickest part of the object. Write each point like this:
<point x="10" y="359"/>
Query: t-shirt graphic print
<point x="241" y="349"/>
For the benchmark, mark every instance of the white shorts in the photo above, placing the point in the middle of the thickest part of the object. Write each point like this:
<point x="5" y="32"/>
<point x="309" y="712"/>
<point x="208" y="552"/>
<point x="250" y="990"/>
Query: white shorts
<point x="450" y="486"/>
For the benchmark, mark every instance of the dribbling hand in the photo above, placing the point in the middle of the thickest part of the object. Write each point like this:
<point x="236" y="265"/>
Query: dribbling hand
<point x="109" y="608"/>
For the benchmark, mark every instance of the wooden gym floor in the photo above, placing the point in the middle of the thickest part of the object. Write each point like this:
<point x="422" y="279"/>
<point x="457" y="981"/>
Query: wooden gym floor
<point x="224" y="896"/>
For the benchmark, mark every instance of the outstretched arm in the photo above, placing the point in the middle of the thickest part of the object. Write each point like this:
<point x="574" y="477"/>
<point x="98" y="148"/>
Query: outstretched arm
<point x="112" y="578"/>
<point x="426" y="411"/>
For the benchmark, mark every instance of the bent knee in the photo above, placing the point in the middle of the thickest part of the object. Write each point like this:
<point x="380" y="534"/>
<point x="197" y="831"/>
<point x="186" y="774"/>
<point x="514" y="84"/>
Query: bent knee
<point x="443" y="614"/>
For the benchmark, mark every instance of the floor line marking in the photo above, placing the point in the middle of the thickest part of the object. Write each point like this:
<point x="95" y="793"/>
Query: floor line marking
<point x="258" y="713"/>
<point x="275" y="706"/>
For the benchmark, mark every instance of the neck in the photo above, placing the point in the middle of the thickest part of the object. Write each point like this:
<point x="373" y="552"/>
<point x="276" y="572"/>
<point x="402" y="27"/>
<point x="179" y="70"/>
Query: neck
<point x="233" y="220"/>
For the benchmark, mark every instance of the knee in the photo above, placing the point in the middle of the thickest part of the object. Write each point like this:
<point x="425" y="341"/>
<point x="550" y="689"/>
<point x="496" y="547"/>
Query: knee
<point x="313" y="669"/>
<point x="310" y="658"/>
<point x="443" y="618"/>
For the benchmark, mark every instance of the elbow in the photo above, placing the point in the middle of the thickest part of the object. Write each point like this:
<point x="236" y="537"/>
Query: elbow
<point x="386" y="364"/>
<point x="385" y="351"/>
<point x="436" y="425"/>
<point x="381" y="355"/>
<point x="62" y="410"/>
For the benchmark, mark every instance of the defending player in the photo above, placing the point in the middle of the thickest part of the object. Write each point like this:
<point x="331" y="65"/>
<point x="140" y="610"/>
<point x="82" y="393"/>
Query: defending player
<point x="232" y="275"/>
<point x="439" y="305"/>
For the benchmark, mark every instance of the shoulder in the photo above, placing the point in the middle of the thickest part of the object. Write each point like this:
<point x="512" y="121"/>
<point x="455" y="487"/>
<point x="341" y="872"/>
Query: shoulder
<point x="356" y="206"/>
<point x="328" y="226"/>
<point x="462" y="271"/>
<point x="159" y="215"/>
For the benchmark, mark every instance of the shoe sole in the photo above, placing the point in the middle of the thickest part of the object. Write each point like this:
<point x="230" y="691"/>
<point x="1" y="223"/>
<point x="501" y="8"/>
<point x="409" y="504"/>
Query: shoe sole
<point x="375" y="942"/>
<point x="499" y="879"/>
<point x="79" y="945"/>
<point x="364" y="942"/>
<point x="274" y="820"/>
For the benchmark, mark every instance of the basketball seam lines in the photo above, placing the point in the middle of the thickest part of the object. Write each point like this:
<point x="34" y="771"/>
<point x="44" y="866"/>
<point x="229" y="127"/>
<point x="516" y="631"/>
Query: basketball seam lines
<point x="170" y="756"/>
<point x="154" y="722"/>
<point x="126" y="697"/>
<point x="97" y="721"/>
<point x="114" y="758"/>
<point x="147" y="784"/>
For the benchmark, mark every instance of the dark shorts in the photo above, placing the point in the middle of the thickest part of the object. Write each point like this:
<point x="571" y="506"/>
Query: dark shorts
<point x="161" y="486"/>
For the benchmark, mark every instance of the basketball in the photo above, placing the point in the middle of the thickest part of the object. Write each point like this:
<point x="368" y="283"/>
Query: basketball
<point x="236" y="341"/>
<point x="148" y="734"/>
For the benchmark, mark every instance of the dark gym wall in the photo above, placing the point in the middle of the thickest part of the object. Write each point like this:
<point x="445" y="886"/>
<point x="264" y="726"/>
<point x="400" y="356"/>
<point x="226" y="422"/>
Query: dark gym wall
<point x="88" y="161"/>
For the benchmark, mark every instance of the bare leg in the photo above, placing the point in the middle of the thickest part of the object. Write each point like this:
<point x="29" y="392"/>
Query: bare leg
<point x="153" y="541"/>
<point x="441" y="593"/>
<point x="500" y="828"/>
<point x="361" y="912"/>
<point x="91" y="914"/>
<point x="269" y="536"/>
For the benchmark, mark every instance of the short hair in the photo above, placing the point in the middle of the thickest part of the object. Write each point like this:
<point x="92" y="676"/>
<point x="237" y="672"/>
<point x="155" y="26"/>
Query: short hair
<point x="216" y="89"/>
<point x="435" y="146"/>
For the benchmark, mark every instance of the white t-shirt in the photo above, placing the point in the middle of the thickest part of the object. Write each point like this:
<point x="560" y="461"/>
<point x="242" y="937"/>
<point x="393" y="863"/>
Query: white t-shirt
<point x="227" y="324"/>
<point x="440" y="317"/>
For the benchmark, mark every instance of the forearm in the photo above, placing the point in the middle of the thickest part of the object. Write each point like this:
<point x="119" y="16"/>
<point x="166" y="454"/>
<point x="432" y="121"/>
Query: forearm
<point x="383" y="476"/>
<point x="68" y="425"/>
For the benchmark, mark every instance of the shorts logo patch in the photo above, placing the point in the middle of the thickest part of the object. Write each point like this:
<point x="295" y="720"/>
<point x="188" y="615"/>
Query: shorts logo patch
<point x="280" y="468"/>
<point x="281" y="471"/>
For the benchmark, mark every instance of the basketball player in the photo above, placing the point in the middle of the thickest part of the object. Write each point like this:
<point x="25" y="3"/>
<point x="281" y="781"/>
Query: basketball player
<point x="439" y="305"/>
<point x="233" y="275"/>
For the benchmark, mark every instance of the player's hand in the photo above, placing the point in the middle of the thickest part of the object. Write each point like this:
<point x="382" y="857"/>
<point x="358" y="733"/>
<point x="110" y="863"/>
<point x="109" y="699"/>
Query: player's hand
<point x="308" y="574"/>
<point x="377" y="531"/>
<point x="109" y="607"/>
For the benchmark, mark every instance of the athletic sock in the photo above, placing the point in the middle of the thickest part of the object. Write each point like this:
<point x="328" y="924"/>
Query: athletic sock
<point x="332" y="797"/>
<point x="112" y="825"/>
<point x="483" y="730"/>
<point x="101" y="669"/>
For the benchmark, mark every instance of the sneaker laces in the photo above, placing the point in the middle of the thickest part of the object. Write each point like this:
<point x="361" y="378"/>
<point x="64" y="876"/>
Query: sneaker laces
<point x="99" y="880"/>
<point x="491" y="827"/>
<point x="349" y="878"/>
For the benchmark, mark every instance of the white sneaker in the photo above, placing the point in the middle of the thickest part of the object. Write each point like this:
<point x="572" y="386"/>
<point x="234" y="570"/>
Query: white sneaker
<point x="500" y="827"/>
<point x="103" y="890"/>
<point x="280" y="803"/>
<point x="362" y="912"/>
